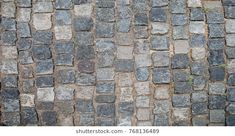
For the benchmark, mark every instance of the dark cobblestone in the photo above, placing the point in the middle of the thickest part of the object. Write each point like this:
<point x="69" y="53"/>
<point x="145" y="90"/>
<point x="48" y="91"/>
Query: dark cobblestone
<point x="44" y="81"/>
<point x="83" y="24"/>
<point x="197" y="14"/>
<point x="217" y="102"/>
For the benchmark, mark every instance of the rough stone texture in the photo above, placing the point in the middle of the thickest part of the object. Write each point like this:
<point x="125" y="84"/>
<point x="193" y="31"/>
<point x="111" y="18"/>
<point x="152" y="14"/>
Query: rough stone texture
<point x="117" y="63"/>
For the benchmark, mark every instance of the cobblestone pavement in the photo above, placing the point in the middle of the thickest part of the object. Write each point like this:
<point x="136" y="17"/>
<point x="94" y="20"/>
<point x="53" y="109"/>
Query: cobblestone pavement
<point x="117" y="62"/>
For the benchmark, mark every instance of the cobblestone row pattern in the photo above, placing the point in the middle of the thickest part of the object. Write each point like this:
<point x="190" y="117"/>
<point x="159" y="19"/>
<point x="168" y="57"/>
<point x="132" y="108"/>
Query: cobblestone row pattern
<point x="117" y="63"/>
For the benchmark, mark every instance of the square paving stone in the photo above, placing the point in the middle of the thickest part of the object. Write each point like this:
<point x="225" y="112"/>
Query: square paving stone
<point x="181" y="75"/>
<point x="178" y="6"/>
<point x="9" y="81"/>
<point x="85" y="52"/>
<point x="64" y="47"/>
<point x="230" y="40"/>
<point x="105" y="122"/>
<point x="159" y="28"/>
<point x="197" y="40"/>
<point x="158" y="15"/>
<point x="86" y="66"/>
<point x="105" y="74"/>
<point x="9" y="66"/>
<point x="63" y="4"/>
<point x="197" y="14"/>
<point x="228" y="2"/>
<point x="216" y="57"/>
<point x="64" y="59"/>
<point x="161" y="120"/>
<point x="231" y="80"/>
<point x="45" y="105"/>
<point x="105" y="99"/>
<point x="27" y="86"/>
<point x="180" y="116"/>
<point x="105" y="87"/>
<point x="181" y="46"/>
<point x="42" y="37"/>
<point x="24" y="14"/>
<point x="216" y="44"/>
<point x="229" y="11"/>
<point x="180" y="32"/>
<point x="63" y="32"/>
<point x="11" y="119"/>
<point x="104" y="30"/>
<point x="216" y="30"/>
<point x="199" y="97"/>
<point x="217" y="116"/>
<point x="49" y="118"/>
<point x="24" y="3"/>
<point x="23" y="30"/>
<point x="83" y="24"/>
<point x="122" y="65"/>
<point x="180" y="61"/>
<point x="159" y="43"/>
<point x="142" y="101"/>
<point x="231" y="94"/>
<point x="29" y="116"/>
<point x="105" y="110"/>
<point x="105" y="59"/>
<point x="64" y="107"/>
<point x="24" y="43"/>
<point x="10" y="93"/>
<point x="161" y="75"/>
<point x="179" y="19"/>
<point x="63" y="17"/>
<point x="162" y="106"/>
<point x="217" y="88"/>
<point x="25" y="57"/>
<point x="199" y="108"/>
<point x="215" y="17"/>
<point x="64" y="93"/>
<point x="84" y="10"/>
<point x="143" y="60"/>
<point x="141" y="19"/>
<point x="8" y="24"/>
<point x="161" y="59"/>
<point x="230" y="52"/>
<point x="86" y="120"/>
<point x="124" y="38"/>
<point x="11" y="105"/>
<point x="230" y="26"/>
<point x="8" y="9"/>
<point x="159" y="3"/>
<point x="8" y="37"/>
<point x="141" y="32"/>
<point x="200" y="121"/>
<point x="45" y="94"/>
<point x="217" y="101"/>
<point x="217" y="73"/>
<point x="41" y="52"/>
<point x="85" y="79"/>
<point x="44" y="81"/>
<point x="230" y="120"/>
<point x="43" y="7"/>
<point x="142" y="74"/>
<point x="105" y="14"/>
<point x="44" y="67"/>
<point x="123" y="25"/>
<point x="197" y="27"/>
<point x="141" y="47"/>
<point x="66" y="76"/>
<point x="181" y="100"/>
<point x="105" y="3"/>
<point x="42" y="21"/>
<point x="183" y="87"/>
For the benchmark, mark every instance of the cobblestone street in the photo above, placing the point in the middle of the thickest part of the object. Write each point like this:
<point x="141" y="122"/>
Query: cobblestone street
<point x="117" y="63"/>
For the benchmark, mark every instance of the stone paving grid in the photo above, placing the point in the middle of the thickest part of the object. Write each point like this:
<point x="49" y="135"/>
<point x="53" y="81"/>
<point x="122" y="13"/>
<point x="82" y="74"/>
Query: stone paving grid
<point x="117" y="63"/>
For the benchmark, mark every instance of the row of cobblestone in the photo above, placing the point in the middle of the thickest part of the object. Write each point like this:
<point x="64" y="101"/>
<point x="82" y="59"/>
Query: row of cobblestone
<point x="117" y="62"/>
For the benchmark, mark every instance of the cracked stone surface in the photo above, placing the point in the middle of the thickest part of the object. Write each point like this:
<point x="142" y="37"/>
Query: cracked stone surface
<point x="117" y="63"/>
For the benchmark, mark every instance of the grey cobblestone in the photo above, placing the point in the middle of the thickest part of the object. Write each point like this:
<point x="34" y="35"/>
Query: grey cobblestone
<point x="117" y="63"/>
